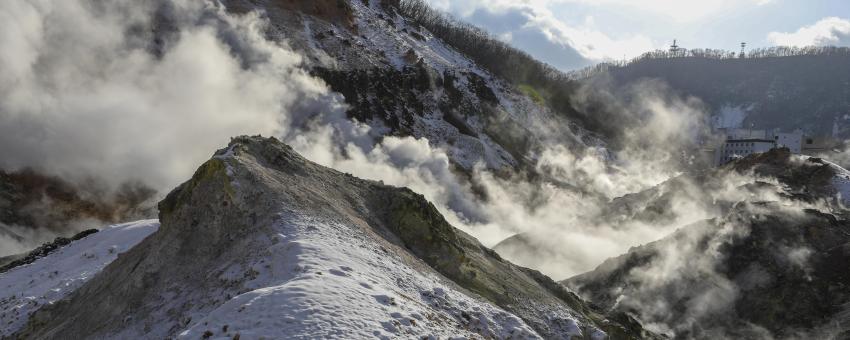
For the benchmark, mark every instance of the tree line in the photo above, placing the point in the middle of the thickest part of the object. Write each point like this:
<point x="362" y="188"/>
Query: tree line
<point x="499" y="58"/>
<point x="714" y="54"/>
<point x="518" y="67"/>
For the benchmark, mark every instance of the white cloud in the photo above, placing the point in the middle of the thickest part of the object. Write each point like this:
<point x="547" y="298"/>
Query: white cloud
<point x="573" y="43"/>
<point x="827" y="31"/>
<point x="681" y="11"/>
<point x="540" y="22"/>
<point x="586" y="39"/>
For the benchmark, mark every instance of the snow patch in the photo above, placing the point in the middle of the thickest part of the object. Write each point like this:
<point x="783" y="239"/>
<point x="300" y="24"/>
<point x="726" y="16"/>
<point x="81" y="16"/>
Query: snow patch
<point x="328" y="279"/>
<point x="25" y="289"/>
<point x="841" y="183"/>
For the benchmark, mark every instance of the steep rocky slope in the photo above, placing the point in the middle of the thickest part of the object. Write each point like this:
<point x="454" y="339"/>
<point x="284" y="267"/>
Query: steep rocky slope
<point x="261" y="242"/>
<point x="769" y="265"/>
<point x="402" y="80"/>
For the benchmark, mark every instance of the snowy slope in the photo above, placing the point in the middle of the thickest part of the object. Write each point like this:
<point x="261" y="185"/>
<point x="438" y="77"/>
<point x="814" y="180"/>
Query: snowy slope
<point x="325" y="279"/>
<point x="841" y="182"/>
<point x="321" y="280"/>
<point x="400" y="55"/>
<point x="27" y="288"/>
<point x="263" y="243"/>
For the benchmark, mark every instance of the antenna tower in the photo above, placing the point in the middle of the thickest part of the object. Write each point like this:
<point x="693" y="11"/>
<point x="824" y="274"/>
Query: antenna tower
<point x="674" y="48"/>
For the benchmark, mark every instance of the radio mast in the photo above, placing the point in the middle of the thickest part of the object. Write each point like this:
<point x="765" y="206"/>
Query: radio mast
<point x="674" y="49"/>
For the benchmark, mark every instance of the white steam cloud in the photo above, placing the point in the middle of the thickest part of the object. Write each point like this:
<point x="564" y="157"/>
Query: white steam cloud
<point x="127" y="90"/>
<point x="565" y="216"/>
<point x="145" y="90"/>
<point x="109" y="92"/>
<point x="84" y="91"/>
<point x="89" y="89"/>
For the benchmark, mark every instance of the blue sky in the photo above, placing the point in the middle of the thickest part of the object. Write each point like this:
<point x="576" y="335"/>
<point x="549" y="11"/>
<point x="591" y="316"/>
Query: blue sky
<point x="571" y="34"/>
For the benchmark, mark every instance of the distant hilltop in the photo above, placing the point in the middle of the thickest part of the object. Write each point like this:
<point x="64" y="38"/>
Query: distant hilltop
<point x="781" y="87"/>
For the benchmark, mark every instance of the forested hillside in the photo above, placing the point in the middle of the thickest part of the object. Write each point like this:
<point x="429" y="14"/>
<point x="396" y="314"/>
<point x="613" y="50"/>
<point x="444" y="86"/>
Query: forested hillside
<point x="780" y="87"/>
<point x="538" y="80"/>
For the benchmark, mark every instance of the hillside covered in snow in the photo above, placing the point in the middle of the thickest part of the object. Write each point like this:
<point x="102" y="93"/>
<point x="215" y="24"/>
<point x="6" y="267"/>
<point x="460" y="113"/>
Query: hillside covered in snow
<point x="403" y="80"/>
<point x="263" y="243"/>
<point x="28" y="287"/>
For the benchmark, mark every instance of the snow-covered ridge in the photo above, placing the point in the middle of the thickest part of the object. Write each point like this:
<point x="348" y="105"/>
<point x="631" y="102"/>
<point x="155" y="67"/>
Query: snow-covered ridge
<point x="326" y="279"/>
<point x="27" y="288"/>
<point x="263" y="243"/>
<point x="320" y="279"/>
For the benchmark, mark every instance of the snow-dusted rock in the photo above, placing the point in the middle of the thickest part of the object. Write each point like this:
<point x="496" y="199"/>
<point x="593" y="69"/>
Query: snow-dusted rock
<point x="263" y="243"/>
<point x="27" y="288"/>
<point x="395" y="73"/>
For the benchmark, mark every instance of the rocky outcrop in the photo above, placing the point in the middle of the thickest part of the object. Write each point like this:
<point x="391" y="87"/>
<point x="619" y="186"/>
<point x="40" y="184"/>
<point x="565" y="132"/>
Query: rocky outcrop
<point x="220" y="227"/>
<point x="770" y="274"/>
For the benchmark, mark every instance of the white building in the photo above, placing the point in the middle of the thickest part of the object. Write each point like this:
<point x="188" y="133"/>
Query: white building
<point x="814" y="146"/>
<point x="738" y="133"/>
<point x="793" y="140"/>
<point x="743" y="142"/>
<point x="737" y="148"/>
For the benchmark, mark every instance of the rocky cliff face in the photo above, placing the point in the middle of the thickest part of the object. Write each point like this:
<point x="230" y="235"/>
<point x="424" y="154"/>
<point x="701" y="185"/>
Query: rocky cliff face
<point x="401" y="79"/>
<point x="261" y="242"/>
<point x="767" y="266"/>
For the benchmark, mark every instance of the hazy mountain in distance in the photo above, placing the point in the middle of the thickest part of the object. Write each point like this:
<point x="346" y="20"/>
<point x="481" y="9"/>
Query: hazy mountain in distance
<point x="785" y="88"/>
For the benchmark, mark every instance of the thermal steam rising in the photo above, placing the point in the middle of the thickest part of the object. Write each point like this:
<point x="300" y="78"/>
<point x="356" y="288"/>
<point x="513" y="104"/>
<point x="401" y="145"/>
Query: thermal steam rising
<point x="88" y="91"/>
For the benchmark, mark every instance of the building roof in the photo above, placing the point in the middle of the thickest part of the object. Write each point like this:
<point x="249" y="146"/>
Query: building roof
<point x="760" y="140"/>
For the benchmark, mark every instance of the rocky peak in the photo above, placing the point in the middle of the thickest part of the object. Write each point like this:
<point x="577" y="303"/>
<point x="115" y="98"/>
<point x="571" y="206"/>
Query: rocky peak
<point x="227" y="234"/>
